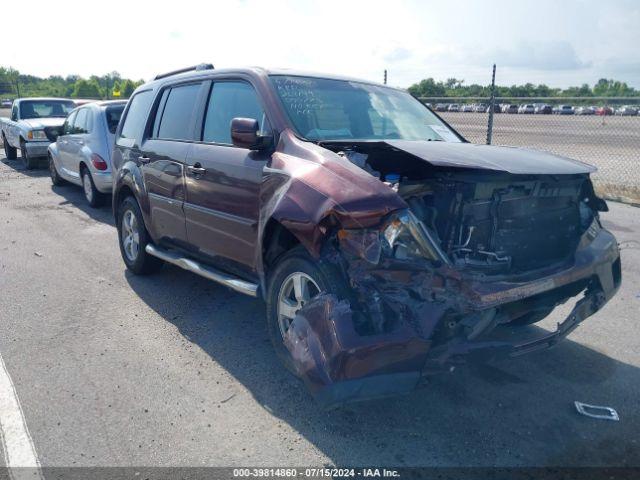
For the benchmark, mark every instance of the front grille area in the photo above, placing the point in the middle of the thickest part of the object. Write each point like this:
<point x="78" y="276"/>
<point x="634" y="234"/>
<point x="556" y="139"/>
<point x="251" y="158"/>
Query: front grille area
<point x="537" y="232"/>
<point x="509" y="224"/>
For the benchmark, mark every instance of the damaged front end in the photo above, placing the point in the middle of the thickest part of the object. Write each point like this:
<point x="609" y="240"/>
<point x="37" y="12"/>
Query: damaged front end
<point x="475" y="252"/>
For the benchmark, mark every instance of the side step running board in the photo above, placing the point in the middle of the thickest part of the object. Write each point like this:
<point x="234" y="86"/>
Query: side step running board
<point x="233" y="283"/>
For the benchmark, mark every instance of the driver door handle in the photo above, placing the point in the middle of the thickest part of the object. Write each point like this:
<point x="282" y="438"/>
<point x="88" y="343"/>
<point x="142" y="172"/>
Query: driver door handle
<point x="196" y="169"/>
<point x="143" y="160"/>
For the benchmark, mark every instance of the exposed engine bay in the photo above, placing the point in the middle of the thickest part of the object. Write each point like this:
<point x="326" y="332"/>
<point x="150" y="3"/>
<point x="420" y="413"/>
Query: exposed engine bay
<point x="485" y="221"/>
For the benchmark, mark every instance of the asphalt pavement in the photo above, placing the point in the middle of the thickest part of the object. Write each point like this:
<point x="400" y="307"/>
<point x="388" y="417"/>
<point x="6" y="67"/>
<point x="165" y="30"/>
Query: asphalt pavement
<point x="173" y="370"/>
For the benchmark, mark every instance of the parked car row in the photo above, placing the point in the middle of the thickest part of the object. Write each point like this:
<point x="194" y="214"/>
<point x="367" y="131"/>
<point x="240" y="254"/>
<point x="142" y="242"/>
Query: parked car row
<point x="76" y="141"/>
<point x="342" y="223"/>
<point x="82" y="152"/>
<point x="536" y="108"/>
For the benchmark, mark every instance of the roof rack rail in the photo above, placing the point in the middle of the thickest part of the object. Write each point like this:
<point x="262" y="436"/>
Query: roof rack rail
<point x="202" y="66"/>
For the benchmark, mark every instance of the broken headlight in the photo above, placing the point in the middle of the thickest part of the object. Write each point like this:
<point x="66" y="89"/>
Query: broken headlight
<point x="402" y="236"/>
<point x="408" y="237"/>
<point x="400" y="240"/>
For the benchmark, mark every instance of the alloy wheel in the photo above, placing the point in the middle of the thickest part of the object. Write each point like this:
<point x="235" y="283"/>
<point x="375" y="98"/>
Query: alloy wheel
<point x="296" y="290"/>
<point x="88" y="188"/>
<point x="130" y="235"/>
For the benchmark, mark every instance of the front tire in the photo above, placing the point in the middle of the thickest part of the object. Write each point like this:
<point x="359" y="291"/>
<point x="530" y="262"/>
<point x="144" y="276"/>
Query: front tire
<point x="56" y="179"/>
<point x="10" y="152"/>
<point x="29" y="162"/>
<point x="91" y="193"/>
<point x="295" y="280"/>
<point x="134" y="238"/>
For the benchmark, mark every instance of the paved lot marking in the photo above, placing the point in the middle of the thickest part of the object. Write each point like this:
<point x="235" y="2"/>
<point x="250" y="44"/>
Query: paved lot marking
<point x="17" y="444"/>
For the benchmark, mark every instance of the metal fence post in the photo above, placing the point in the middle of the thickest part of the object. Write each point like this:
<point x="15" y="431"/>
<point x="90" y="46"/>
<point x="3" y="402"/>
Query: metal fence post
<point x="492" y="101"/>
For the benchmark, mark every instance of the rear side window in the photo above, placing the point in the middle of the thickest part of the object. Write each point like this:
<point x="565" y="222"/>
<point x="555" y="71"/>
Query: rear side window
<point x="67" y="128"/>
<point x="175" y="114"/>
<point x="80" y="123"/>
<point x="137" y="114"/>
<point x="113" y="114"/>
<point x="227" y="101"/>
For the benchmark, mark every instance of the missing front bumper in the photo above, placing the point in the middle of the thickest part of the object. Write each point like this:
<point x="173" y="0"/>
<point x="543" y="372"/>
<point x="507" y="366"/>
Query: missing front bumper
<point x="340" y="365"/>
<point x="459" y="351"/>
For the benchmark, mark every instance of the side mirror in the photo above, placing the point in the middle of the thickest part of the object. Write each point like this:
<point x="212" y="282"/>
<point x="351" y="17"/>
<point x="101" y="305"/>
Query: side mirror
<point x="244" y="134"/>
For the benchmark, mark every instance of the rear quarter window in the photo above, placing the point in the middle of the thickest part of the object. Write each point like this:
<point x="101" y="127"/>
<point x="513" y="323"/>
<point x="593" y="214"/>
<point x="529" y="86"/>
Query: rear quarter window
<point x="81" y="122"/>
<point x="136" y="115"/>
<point x="113" y="114"/>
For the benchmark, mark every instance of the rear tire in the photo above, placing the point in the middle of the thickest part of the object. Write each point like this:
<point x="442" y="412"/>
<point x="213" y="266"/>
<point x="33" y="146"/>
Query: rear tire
<point x="133" y="238"/>
<point x="91" y="193"/>
<point x="325" y="278"/>
<point x="56" y="179"/>
<point x="10" y="152"/>
<point x="29" y="162"/>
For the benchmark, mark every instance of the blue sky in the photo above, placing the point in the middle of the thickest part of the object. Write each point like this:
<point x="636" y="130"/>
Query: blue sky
<point x="560" y="43"/>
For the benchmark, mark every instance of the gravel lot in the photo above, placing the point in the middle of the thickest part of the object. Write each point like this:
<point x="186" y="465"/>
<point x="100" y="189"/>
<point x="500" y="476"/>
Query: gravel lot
<point x="112" y="369"/>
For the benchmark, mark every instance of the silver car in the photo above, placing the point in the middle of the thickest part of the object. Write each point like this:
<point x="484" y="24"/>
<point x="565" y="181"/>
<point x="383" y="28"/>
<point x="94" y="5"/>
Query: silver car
<point x="527" y="108"/>
<point x="82" y="153"/>
<point x="585" y="111"/>
<point x="626" y="111"/>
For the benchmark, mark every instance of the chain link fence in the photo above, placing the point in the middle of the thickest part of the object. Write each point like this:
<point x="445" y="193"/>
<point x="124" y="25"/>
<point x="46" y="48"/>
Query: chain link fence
<point x="604" y="132"/>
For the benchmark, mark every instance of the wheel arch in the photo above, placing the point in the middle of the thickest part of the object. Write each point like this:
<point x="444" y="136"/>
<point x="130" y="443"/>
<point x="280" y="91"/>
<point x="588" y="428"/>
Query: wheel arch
<point x="128" y="182"/>
<point x="276" y="240"/>
<point x="282" y="233"/>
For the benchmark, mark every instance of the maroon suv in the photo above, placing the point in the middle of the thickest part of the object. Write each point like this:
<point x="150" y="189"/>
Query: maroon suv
<point x="385" y="246"/>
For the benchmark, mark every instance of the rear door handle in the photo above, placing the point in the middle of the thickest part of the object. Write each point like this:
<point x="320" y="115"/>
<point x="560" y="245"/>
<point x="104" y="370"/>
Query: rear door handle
<point x="196" y="169"/>
<point x="142" y="159"/>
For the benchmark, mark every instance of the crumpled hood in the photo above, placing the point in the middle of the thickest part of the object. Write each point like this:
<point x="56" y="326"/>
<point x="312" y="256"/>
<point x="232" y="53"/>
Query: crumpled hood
<point x="40" y="123"/>
<point x="487" y="157"/>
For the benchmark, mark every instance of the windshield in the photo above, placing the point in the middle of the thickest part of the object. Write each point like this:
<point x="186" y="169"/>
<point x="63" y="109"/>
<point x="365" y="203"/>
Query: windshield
<point x="322" y="109"/>
<point x="45" y="108"/>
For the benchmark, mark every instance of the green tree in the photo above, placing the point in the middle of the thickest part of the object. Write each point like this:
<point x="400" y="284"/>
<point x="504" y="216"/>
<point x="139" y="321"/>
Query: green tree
<point x="86" y="89"/>
<point x="126" y="88"/>
<point x="428" y="88"/>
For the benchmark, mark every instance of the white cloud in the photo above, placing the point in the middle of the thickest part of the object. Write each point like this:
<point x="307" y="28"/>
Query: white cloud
<point x="556" y="55"/>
